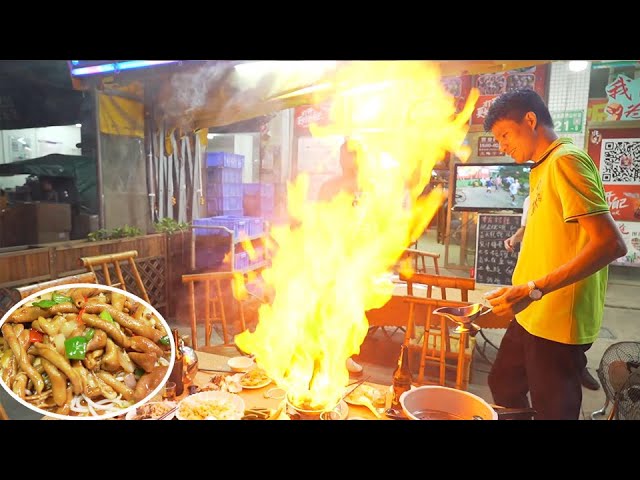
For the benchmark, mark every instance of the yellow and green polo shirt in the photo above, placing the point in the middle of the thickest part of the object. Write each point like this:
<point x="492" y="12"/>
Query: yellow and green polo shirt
<point x="564" y="186"/>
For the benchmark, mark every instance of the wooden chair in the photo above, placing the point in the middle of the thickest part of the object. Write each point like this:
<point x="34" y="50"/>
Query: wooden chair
<point x="436" y="346"/>
<point x="24" y="292"/>
<point x="442" y="331"/>
<point x="104" y="262"/>
<point x="213" y="284"/>
<point x="463" y="285"/>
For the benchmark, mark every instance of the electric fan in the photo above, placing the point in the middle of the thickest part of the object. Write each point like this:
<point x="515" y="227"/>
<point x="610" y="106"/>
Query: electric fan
<point x="619" y="374"/>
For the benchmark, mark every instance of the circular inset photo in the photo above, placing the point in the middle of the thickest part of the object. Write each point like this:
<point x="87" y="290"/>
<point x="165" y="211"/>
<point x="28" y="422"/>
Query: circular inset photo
<point x="84" y="351"/>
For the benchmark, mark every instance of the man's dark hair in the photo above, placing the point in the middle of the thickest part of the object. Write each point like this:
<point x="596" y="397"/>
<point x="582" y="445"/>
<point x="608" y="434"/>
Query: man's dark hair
<point x="514" y="105"/>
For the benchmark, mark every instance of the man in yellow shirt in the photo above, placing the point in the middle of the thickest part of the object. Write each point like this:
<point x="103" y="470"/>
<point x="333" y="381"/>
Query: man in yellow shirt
<point x="560" y="280"/>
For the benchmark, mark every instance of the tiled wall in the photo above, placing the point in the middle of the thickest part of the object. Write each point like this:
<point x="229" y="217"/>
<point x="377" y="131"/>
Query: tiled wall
<point x="569" y="91"/>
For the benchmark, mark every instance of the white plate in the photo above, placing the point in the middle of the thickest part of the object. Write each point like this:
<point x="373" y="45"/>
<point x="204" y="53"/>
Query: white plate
<point x="234" y="404"/>
<point x="132" y="413"/>
<point x="354" y="398"/>
<point x="264" y="383"/>
<point x="260" y="385"/>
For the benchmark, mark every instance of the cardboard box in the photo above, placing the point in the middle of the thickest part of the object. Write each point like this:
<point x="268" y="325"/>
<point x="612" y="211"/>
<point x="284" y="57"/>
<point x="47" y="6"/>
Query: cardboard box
<point x="45" y="216"/>
<point x="51" y="237"/>
<point x="40" y="221"/>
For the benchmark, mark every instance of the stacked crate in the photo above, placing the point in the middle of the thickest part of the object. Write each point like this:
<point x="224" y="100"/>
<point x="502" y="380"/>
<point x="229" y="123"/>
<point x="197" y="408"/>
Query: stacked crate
<point x="213" y="244"/>
<point x="258" y="199"/>
<point x="224" y="183"/>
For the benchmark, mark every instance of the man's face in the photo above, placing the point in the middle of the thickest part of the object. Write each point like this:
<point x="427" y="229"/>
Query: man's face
<point x="515" y="139"/>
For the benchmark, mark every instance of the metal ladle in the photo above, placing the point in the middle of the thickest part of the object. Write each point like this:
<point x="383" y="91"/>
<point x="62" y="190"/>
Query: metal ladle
<point x="464" y="316"/>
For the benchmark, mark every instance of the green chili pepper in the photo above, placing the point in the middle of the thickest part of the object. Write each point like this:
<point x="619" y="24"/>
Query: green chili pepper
<point x="165" y="340"/>
<point x="56" y="297"/>
<point x="138" y="372"/>
<point x="44" y="303"/>
<point x="105" y="315"/>
<point x="89" y="333"/>
<point x="76" y="348"/>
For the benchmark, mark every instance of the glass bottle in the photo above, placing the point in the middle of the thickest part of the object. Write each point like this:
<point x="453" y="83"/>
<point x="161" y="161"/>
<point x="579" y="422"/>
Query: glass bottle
<point x="402" y="378"/>
<point x="177" y="372"/>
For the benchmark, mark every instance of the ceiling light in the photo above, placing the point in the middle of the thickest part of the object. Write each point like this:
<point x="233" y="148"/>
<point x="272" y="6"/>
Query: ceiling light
<point x="210" y="135"/>
<point x="578" y="65"/>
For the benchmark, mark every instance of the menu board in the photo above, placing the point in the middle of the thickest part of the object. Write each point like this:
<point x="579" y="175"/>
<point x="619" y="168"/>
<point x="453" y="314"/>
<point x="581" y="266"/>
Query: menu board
<point x="494" y="264"/>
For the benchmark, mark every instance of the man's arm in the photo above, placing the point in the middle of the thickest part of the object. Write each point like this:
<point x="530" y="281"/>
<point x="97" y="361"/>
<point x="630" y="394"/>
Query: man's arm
<point x="604" y="246"/>
<point x="510" y="243"/>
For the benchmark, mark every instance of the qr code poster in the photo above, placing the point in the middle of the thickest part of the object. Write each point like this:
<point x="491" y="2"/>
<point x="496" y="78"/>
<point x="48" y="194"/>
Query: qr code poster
<point x="620" y="161"/>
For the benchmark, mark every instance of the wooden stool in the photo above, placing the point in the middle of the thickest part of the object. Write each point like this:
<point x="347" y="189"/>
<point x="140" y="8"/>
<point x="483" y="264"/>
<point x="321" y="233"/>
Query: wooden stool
<point x="213" y="303"/>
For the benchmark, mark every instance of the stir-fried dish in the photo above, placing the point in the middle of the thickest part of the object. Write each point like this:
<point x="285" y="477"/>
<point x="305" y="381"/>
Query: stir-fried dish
<point x="83" y="352"/>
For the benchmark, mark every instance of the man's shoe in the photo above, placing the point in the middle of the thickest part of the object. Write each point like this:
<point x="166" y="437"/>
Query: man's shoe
<point x="588" y="381"/>
<point x="353" y="367"/>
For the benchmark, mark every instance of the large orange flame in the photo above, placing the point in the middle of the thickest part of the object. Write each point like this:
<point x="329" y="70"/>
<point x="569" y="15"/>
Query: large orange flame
<point x="333" y="265"/>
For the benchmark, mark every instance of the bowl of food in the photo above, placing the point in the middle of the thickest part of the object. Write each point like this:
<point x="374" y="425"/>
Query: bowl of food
<point x="240" y="364"/>
<point x="211" y="405"/>
<point x="84" y="351"/>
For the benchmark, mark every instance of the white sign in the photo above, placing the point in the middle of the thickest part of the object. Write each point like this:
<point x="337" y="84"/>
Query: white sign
<point x="631" y="234"/>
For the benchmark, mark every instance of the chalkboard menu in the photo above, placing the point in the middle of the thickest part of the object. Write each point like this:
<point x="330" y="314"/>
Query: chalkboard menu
<point x="494" y="264"/>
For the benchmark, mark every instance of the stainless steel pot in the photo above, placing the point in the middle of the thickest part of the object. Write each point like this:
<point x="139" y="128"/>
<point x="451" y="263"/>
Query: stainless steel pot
<point x="431" y="402"/>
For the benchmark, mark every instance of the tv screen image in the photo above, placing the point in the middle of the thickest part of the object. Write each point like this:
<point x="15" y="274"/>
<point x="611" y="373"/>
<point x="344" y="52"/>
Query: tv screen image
<point x="480" y="187"/>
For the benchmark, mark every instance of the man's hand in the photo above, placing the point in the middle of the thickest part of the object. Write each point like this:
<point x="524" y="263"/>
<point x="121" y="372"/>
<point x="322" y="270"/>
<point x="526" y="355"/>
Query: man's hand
<point x="510" y="243"/>
<point x="508" y="301"/>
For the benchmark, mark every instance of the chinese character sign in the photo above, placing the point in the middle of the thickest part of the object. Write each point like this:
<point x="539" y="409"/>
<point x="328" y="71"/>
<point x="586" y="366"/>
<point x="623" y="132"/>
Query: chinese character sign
<point x="623" y="96"/>
<point x="631" y="234"/>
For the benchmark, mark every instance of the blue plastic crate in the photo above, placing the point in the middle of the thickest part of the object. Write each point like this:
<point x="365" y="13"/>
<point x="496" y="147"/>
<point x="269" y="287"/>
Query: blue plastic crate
<point x="224" y="175"/>
<point x="251" y="188"/>
<point x="241" y="261"/>
<point x="224" y="159"/>
<point x="224" y="205"/>
<point x="255" y="225"/>
<point x="267" y="190"/>
<point x="236" y="224"/>
<point x="224" y="190"/>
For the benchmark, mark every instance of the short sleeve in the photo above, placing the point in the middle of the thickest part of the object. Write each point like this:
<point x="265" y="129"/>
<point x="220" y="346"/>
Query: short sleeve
<point x="578" y="184"/>
<point x="525" y="212"/>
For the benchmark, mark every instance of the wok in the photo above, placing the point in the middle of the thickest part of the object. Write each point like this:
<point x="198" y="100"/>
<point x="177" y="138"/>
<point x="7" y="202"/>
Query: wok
<point x="431" y="402"/>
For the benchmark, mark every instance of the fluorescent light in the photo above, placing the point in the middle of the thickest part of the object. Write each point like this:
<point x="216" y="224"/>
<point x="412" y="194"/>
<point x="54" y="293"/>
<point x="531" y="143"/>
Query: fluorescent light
<point x="210" y="135"/>
<point x="79" y="125"/>
<point x="578" y="65"/>
<point x="118" y="66"/>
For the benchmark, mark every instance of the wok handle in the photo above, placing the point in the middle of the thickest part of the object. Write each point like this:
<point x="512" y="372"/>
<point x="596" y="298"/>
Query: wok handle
<point x="514" y="413"/>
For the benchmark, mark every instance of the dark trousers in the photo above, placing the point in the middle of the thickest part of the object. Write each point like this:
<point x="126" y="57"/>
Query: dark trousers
<point x="549" y="371"/>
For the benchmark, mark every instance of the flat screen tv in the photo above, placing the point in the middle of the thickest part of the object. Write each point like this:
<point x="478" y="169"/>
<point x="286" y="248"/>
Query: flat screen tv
<point x="490" y="187"/>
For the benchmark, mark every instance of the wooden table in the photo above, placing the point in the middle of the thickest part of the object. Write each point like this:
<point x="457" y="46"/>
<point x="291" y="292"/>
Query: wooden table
<point x="255" y="398"/>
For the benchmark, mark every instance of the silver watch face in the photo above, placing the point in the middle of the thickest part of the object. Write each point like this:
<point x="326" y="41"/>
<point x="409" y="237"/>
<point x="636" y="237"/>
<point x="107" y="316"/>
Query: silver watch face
<point x="535" y="294"/>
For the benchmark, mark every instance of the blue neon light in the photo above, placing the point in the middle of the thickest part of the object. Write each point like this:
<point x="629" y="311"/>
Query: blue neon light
<point x="117" y="66"/>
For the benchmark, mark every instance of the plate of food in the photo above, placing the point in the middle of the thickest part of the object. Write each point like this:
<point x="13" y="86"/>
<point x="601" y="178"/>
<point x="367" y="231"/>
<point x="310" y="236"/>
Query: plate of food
<point x="212" y="405"/>
<point x="84" y="350"/>
<point x="365" y="394"/>
<point x="255" y="378"/>
<point x="153" y="411"/>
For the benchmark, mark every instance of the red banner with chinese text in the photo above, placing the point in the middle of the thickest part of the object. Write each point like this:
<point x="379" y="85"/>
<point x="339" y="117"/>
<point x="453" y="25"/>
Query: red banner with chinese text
<point x="492" y="85"/>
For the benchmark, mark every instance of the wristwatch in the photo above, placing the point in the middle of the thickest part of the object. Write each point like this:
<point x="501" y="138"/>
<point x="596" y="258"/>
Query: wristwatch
<point x="534" y="292"/>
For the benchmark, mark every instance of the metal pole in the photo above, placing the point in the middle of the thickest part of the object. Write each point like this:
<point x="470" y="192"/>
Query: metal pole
<point x="100" y="188"/>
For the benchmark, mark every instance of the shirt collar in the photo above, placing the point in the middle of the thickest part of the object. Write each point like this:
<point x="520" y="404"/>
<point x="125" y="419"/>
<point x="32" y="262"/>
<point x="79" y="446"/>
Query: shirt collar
<point x="551" y="148"/>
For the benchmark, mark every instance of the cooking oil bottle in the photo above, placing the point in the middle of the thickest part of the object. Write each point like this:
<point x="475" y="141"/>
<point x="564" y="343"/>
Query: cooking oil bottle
<point x="402" y="378"/>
